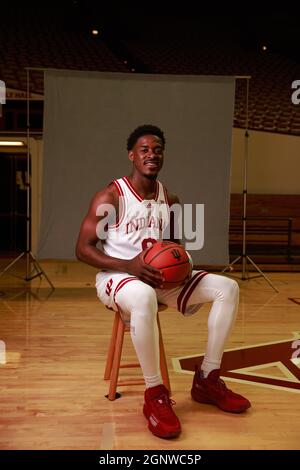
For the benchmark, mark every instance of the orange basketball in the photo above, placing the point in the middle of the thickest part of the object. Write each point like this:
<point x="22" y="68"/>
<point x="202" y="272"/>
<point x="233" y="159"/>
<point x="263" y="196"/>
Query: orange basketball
<point x="172" y="260"/>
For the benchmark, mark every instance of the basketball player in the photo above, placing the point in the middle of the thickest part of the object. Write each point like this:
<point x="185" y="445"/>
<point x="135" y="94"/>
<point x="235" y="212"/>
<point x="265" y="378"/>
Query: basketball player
<point x="124" y="281"/>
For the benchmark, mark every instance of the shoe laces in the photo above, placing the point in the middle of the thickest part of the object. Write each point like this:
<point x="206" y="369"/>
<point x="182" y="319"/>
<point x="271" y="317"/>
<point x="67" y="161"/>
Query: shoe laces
<point x="164" y="404"/>
<point x="223" y="388"/>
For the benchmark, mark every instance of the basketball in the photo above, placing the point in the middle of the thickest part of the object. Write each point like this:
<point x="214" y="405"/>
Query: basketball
<point x="172" y="259"/>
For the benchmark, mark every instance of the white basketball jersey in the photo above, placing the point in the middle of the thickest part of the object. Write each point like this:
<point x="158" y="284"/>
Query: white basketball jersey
<point x="141" y="221"/>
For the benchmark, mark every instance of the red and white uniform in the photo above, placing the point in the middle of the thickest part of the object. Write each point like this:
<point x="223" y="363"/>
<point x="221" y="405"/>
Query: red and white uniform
<point x="141" y="222"/>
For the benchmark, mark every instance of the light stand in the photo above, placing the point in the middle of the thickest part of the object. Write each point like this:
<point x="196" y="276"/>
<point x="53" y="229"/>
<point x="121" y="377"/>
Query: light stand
<point x="244" y="257"/>
<point x="30" y="258"/>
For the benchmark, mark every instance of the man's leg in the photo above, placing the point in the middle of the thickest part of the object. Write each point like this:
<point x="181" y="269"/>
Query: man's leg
<point x="138" y="303"/>
<point x="224" y="294"/>
<point x="207" y="385"/>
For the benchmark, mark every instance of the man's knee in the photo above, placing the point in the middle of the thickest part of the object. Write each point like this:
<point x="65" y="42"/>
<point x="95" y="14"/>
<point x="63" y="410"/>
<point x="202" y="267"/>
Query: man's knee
<point x="231" y="288"/>
<point x="144" y="298"/>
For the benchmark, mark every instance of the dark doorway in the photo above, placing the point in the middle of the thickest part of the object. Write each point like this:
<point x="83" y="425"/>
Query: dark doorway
<point x="13" y="202"/>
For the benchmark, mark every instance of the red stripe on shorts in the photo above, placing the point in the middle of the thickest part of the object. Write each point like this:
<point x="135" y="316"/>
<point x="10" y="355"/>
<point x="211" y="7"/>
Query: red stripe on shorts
<point x="188" y="289"/>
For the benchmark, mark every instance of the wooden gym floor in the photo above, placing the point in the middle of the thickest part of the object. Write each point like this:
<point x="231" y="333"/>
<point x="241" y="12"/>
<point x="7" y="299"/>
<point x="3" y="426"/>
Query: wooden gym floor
<point x="52" y="391"/>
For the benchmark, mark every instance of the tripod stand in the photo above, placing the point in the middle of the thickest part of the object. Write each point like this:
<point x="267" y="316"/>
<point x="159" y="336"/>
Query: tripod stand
<point x="244" y="257"/>
<point x="30" y="258"/>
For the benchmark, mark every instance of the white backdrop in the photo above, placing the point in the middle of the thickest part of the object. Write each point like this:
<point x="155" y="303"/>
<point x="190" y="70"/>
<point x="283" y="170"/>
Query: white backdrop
<point x="88" y="117"/>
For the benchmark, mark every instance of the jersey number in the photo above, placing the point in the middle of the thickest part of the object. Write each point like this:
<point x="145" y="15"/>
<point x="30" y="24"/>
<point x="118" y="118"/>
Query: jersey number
<point x="147" y="243"/>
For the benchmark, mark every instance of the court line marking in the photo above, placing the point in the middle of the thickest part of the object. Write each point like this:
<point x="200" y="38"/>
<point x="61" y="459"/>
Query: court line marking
<point x="107" y="436"/>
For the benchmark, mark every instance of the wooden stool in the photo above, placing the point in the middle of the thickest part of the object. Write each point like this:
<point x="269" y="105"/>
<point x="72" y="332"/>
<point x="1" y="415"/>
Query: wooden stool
<point x="113" y="362"/>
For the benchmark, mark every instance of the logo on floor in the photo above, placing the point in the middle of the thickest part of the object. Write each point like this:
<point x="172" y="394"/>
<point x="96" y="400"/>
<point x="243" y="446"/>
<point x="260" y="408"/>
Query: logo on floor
<point x="275" y="365"/>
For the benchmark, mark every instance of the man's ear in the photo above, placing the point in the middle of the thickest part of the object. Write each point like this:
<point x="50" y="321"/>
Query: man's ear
<point x="130" y="155"/>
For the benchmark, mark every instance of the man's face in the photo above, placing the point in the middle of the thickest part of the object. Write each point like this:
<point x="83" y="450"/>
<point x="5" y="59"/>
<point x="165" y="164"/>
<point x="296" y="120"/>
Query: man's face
<point x="147" y="155"/>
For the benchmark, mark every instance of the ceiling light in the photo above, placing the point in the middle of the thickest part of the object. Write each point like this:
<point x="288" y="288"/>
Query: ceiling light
<point x="11" y="143"/>
<point x="95" y="32"/>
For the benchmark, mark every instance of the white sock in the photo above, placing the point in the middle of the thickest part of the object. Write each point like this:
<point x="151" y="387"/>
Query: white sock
<point x="209" y="365"/>
<point x="153" y="381"/>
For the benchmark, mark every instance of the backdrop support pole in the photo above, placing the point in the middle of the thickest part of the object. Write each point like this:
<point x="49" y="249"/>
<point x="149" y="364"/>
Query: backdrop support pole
<point x="30" y="258"/>
<point x="244" y="257"/>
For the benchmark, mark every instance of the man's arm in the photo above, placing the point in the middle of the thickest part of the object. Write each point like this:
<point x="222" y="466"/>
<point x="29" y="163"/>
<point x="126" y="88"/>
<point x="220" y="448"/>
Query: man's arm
<point x="87" y="251"/>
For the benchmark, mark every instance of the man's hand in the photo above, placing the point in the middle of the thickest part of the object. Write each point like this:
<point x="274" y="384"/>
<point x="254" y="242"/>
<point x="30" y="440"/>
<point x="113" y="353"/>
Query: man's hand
<point x="146" y="273"/>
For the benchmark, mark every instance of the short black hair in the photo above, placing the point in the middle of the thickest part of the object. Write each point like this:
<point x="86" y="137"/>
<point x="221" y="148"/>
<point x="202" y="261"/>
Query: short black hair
<point x="146" y="129"/>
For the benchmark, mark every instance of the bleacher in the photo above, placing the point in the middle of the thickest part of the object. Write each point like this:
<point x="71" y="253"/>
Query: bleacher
<point x="46" y="43"/>
<point x="272" y="227"/>
<point x="270" y="106"/>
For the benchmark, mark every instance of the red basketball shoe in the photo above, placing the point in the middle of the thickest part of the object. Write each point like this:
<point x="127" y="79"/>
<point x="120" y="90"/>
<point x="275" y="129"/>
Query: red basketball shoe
<point x="162" y="420"/>
<point x="213" y="390"/>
